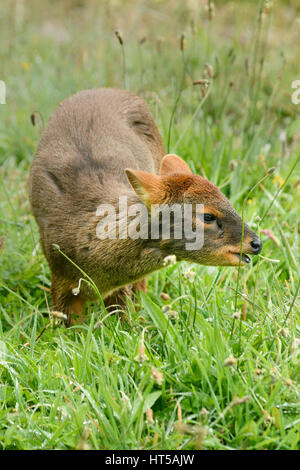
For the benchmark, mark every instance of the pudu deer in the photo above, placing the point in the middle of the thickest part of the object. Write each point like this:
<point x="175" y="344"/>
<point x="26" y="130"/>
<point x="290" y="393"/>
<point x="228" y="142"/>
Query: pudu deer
<point x="99" y="145"/>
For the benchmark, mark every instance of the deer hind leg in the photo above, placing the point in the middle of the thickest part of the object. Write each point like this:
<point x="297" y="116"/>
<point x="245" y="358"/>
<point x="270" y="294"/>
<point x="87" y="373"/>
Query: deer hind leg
<point x="63" y="300"/>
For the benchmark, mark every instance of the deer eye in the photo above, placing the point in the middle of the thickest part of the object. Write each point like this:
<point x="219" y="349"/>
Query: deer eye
<point x="209" y="218"/>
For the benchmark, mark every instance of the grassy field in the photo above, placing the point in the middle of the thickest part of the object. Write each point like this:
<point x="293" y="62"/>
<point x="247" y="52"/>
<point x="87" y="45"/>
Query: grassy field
<point x="214" y="364"/>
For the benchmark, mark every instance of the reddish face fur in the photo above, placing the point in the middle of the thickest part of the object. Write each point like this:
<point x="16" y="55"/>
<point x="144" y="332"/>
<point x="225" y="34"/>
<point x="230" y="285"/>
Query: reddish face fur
<point x="177" y="184"/>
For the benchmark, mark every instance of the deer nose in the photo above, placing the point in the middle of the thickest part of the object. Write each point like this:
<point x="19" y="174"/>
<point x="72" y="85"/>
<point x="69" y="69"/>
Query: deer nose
<point x="256" y="245"/>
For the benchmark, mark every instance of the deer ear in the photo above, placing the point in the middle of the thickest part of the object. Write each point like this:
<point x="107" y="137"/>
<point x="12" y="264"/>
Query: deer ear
<point x="147" y="186"/>
<point x="172" y="163"/>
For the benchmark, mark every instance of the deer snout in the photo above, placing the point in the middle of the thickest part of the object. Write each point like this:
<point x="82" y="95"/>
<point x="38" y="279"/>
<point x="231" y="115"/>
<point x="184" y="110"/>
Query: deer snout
<point x="256" y="245"/>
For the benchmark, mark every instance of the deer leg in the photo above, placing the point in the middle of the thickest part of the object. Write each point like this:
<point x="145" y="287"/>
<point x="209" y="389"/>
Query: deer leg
<point x="63" y="300"/>
<point x="117" y="300"/>
<point x="140" y="286"/>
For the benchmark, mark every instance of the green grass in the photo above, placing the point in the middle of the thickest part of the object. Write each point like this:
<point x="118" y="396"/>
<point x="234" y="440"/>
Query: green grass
<point x="213" y="378"/>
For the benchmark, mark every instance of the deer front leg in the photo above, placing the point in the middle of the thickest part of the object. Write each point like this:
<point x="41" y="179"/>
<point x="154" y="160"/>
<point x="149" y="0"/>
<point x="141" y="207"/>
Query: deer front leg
<point x="140" y="286"/>
<point x="117" y="300"/>
<point x="63" y="300"/>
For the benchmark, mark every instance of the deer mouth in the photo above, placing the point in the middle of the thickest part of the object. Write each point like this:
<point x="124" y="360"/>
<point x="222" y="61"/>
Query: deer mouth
<point x="244" y="258"/>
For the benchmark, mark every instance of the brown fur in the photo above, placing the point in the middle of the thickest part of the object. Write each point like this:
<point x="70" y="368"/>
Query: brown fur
<point x="91" y="139"/>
